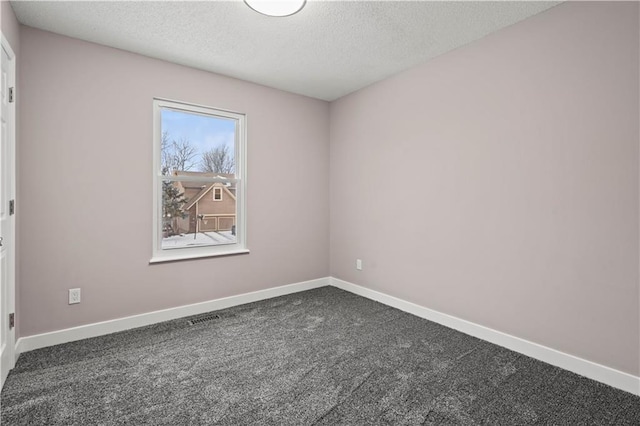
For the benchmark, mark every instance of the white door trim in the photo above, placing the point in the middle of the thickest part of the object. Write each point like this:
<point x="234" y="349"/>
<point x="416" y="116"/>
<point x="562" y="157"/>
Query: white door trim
<point x="9" y="354"/>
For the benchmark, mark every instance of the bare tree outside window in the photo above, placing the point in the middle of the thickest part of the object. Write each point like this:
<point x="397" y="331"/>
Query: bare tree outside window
<point x="177" y="155"/>
<point x="217" y="160"/>
<point x="165" y="153"/>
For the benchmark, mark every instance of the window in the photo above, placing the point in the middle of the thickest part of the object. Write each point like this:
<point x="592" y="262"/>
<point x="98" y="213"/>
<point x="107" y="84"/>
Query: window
<point x="217" y="194"/>
<point x="199" y="154"/>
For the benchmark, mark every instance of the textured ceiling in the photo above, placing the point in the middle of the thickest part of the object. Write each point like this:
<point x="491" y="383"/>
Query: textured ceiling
<point x="329" y="49"/>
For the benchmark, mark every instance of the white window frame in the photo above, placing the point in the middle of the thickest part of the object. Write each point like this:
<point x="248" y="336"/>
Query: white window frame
<point x="240" y="154"/>
<point x="217" y="189"/>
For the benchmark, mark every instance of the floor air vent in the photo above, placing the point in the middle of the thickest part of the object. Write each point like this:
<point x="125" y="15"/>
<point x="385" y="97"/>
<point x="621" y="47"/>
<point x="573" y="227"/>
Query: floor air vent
<point x="203" y="319"/>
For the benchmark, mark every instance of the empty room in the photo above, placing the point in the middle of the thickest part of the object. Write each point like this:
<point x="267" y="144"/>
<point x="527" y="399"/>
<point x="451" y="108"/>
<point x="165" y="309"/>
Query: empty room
<point x="253" y="212"/>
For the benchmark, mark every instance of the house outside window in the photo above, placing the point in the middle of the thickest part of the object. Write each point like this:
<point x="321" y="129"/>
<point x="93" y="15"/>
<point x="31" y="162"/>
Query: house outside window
<point x="199" y="181"/>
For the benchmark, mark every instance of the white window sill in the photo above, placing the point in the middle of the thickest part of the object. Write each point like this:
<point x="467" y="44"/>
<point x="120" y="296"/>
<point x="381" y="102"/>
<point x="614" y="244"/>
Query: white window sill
<point x="188" y="256"/>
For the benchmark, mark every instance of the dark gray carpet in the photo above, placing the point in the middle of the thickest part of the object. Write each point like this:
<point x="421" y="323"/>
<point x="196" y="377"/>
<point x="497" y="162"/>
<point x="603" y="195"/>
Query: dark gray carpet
<point x="319" y="357"/>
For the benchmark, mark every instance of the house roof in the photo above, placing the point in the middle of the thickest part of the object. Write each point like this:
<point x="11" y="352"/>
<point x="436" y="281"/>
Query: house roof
<point x="200" y="184"/>
<point x="182" y="173"/>
<point x="204" y="187"/>
<point x="191" y="202"/>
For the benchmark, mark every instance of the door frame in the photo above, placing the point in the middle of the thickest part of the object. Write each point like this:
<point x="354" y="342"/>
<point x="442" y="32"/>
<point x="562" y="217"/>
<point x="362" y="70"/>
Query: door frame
<point x="9" y="234"/>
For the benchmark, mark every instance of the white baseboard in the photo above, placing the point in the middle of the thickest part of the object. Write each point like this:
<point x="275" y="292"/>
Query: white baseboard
<point x="601" y="373"/>
<point x="598" y="372"/>
<point x="37" y="341"/>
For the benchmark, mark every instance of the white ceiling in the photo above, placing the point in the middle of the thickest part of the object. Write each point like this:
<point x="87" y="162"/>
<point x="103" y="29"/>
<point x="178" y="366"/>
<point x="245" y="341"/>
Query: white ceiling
<point x="329" y="49"/>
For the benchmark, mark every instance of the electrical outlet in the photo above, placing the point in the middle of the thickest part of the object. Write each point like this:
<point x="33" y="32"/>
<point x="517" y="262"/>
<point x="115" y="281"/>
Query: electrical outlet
<point x="359" y="264"/>
<point x="74" y="296"/>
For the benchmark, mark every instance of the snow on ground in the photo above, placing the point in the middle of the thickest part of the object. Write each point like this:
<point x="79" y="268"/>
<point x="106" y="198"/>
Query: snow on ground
<point x="201" y="239"/>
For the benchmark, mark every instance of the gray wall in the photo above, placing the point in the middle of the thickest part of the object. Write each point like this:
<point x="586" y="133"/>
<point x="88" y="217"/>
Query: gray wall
<point x="85" y="185"/>
<point x="499" y="183"/>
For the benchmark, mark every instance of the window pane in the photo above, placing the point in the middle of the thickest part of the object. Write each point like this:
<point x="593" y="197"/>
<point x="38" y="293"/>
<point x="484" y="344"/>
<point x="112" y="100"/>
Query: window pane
<point x="199" y="175"/>
<point x="191" y="217"/>
<point x="197" y="143"/>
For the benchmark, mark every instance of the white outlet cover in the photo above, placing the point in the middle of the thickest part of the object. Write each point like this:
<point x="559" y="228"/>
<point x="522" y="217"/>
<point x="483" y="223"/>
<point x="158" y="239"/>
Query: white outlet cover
<point x="74" y="296"/>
